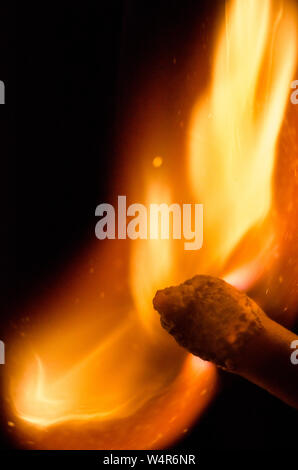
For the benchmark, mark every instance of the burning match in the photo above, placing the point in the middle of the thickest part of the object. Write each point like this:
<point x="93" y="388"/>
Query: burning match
<point x="203" y="118"/>
<point x="218" y="323"/>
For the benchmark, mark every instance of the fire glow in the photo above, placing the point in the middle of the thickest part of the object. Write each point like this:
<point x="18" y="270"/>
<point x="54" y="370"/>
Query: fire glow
<point x="100" y="373"/>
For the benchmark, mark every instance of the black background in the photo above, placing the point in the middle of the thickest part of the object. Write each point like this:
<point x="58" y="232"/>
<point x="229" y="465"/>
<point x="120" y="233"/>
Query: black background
<point x="78" y="64"/>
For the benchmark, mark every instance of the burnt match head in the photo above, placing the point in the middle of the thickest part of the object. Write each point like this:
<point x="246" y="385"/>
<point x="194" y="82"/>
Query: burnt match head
<point x="209" y="318"/>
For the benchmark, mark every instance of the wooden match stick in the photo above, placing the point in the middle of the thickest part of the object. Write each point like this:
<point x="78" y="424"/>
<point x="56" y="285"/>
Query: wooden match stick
<point x="218" y="323"/>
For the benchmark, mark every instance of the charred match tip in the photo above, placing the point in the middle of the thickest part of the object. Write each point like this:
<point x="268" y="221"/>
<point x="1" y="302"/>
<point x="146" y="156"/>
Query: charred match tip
<point x="210" y="318"/>
<point x="216" y="322"/>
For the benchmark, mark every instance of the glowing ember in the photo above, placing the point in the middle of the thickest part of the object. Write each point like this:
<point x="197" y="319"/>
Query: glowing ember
<point x="157" y="162"/>
<point x="99" y="371"/>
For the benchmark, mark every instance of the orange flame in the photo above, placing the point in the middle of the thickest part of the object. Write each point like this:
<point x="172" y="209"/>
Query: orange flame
<point x="235" y="126"/>
<point x="100" y="372"/>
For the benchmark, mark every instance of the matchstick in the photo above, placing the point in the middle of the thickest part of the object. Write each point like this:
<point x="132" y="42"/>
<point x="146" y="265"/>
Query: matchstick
<point x="218" y="323"/>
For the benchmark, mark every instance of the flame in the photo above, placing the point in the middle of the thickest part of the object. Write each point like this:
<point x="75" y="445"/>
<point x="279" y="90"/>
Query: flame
<point x="155" y="257"/>
<point x="100" y="372"/>
<point x="235" y="126"/>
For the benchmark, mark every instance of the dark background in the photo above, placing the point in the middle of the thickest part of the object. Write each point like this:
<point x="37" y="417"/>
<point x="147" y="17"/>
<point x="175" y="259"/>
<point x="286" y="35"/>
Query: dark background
<point x="78" y="65"/>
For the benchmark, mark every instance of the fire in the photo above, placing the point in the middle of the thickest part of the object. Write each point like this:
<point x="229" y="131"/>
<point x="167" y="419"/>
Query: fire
<point x="235" y="126"/>
<point x="99" y="371"/>
<point x="155" y="257"/>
